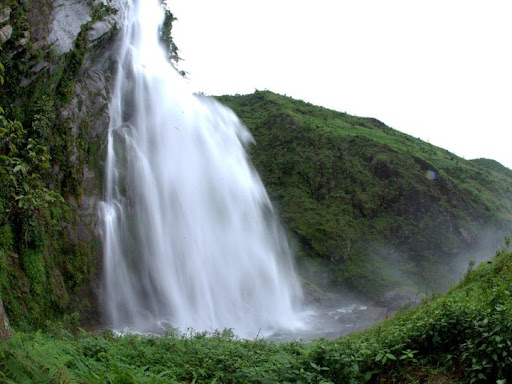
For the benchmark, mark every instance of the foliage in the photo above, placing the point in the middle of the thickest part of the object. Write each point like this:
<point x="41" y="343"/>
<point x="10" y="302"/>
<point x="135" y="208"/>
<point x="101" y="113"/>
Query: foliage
<point x="383" y="208"/>
<point x="166" y="37"/>
<point x="463" y="336"/>
<point x="26" y="209"/>
<point x="23" y="164"/>
<point x="42" y="265"/>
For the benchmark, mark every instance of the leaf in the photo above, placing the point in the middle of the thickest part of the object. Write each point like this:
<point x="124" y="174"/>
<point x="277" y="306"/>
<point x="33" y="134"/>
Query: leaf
<point x="390" y="356"/>
<point x="164" y="373"/>
<point x="17" y="168"/>
<point x="367" y="377"/>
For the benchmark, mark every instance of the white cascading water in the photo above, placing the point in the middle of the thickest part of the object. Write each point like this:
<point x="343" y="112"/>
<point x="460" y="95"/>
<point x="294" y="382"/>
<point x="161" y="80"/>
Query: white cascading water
<point x="190" y="237"/>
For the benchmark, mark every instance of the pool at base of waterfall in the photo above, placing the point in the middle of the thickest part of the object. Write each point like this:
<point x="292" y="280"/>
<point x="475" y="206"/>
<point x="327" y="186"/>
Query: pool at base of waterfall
<point x="331" y="318"/>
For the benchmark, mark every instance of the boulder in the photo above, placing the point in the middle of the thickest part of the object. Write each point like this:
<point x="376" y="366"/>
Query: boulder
<point x="5" y="14"/>
<point x="5" y="33"/>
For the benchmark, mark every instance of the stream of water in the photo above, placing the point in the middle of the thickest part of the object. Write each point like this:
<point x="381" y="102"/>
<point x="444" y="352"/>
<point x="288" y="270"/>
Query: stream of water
<point x="190" y="236"/>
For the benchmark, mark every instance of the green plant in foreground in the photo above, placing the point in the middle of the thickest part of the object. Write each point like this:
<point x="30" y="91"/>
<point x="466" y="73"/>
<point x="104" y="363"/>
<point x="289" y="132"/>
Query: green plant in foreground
<point x="460" y="337"/>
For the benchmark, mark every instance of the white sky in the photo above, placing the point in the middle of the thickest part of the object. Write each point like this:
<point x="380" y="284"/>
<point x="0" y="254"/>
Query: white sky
<point x="440" y="70"/>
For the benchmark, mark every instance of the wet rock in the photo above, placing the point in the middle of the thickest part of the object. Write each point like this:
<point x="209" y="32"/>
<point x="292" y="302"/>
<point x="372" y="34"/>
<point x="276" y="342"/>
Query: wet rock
<point x="83" y="233"/>
<point x="5" y="14"/>
<point x="67" y="112"/>
<point x="68" y="18"/>
<point x="99" y="104"/>
<point x="99" y="29"/>
<point x="89" y="184"/>
<point x="25" y="39"/>
<point x="97" y="89"/>
<point x="100" y="125"/>
<point x="95" y="81"/>
<point x="72" y="202"/>
<point x="39" y="67"/>
<point x="5" y="34"/>
<point x="5" y="331"/>
<point x="40" y="44"/>
<point x="312" y="294"/>
<point x="399" y="298"/>
<point x="88" y="205"/>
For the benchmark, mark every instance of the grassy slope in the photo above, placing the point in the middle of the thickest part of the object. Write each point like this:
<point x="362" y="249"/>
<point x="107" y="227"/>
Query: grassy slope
<point x="463" y="336"/>
<point x="356" y="193"/>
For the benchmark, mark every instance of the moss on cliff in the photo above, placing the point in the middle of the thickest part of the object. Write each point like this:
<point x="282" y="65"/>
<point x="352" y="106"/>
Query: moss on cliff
<point x="48" y="255"/>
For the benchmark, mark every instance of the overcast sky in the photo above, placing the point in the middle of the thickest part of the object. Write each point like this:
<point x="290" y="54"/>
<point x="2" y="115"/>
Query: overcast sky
<point x="440" y="70"/>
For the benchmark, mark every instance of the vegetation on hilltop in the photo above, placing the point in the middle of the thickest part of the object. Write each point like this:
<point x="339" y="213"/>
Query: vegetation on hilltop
<point x="463" y="336"/>
<point x="380" y="208"/>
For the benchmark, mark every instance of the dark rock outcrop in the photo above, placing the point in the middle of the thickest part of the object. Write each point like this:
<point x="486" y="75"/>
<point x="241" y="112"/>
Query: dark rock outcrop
<point x="5" y="332"/>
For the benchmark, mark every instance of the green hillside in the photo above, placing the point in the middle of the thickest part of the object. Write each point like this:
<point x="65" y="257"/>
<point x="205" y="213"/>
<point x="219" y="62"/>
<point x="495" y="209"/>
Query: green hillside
<point x="379" y="208"/>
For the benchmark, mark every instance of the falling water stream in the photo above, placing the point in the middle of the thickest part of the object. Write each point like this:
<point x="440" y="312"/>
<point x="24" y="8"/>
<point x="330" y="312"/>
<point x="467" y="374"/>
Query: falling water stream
<point x="190" y="237"/>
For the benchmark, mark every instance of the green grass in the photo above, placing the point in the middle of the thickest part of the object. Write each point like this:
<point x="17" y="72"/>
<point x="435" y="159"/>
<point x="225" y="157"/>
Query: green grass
<point x="462" y="336"/>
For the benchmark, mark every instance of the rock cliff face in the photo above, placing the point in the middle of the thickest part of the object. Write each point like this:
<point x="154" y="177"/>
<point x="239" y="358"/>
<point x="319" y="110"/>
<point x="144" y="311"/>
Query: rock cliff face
<point x="59" y="63"/>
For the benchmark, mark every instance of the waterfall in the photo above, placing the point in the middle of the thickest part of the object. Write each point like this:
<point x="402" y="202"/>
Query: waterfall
<point x="190" y="236"/>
